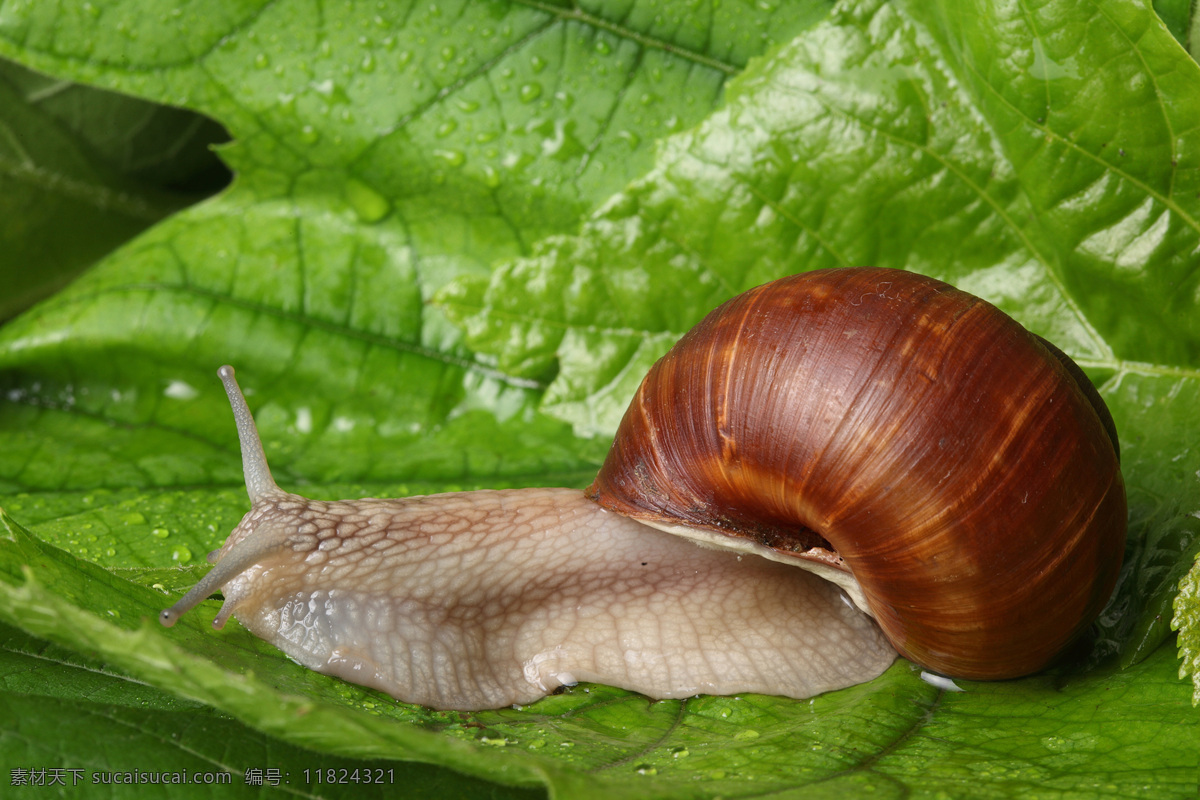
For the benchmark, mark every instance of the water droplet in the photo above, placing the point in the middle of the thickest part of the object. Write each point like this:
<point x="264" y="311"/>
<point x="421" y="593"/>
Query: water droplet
<point x="446" y="128"/>
<point x="466" y="106"/>
<point x="331" y="91"/>
<point x="483" y="137"/>
<point x="180" y="554"/>
<point x="454" y="158"/>
<point x="530" y="92"/>
<point x="502" y="742"/>
<point x="679" y="752"/>
<point x="645" y="769"/>
<point x="631" y="138"/>
<point x="603" y="47"/>
<point x="563" y="145"/>
<point x="133" y="518"/>
<point x="261" y="61"/>
<point x="491" y="177"/>
<point x="110" y="552"/>
<point x="112" y="612"/>
<point x="309" y="134"/>
<point x="160" y="533"/>
<point x="368" y="63"/>
<point x="368" y="204"/>
<point x="538" y="63"/>
<point x="448" y="53"/>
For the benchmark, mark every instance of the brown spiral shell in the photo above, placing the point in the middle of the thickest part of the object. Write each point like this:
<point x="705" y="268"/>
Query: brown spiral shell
<point x="958" y="468"/>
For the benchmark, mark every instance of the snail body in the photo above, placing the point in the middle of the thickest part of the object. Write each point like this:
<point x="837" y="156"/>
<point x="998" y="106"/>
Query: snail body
<point x="951" y="474"/>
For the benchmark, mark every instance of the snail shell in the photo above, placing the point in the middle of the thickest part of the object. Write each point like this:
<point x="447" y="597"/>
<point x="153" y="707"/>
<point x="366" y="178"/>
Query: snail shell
<point x="893" y="427"/>
<point x="957" y="478"/>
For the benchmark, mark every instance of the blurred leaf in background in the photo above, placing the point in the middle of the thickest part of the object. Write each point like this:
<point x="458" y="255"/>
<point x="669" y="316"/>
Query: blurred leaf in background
<point x="83" y="170"/>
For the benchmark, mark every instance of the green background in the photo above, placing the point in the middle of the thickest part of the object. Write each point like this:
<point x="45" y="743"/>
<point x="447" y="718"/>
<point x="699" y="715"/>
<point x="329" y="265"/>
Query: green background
<point x="456" y="236"/>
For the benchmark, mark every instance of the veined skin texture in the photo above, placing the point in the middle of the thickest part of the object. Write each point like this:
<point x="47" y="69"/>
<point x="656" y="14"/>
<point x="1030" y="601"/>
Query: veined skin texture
<point x="493" y="598"/>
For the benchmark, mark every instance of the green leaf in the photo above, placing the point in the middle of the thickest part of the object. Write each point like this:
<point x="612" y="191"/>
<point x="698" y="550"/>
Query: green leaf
<point x="882" y="734"/>
<point x="57" y="163"/>
<point x="74" y="716"/>
<point x="842" y="149"/>
<point x="386" y="151"/>
<point x="1187" y="621"/>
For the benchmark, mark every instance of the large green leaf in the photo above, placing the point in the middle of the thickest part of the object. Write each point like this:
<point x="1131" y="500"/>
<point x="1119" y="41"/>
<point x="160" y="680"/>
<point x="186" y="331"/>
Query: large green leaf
<point x="971" y="152"/>
<point x="1042" y="156"/>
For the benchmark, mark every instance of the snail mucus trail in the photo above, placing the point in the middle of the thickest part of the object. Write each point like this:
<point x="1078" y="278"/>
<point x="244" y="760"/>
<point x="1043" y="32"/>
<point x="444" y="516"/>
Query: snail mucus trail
<point x="953" y="475"/>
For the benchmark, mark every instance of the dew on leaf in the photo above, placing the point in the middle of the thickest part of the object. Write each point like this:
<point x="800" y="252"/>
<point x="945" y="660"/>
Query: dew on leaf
<point x="110" y="551"/>
<point x="309" y="134"/>
<point x="603" y="47"/>
<point x="160" y="533"/>
<point x="133" y="518"/>
<point x="446" y="128"/>
<point x="645" y="769"/>
<point x="466" y="106"/>
<point x="501" y="742"/>
<point x="491" y="177"/>
<point x="537" y="63"/>
<point x="261" y="61"/>
<point x="369" y="204"/>
<point x="454" y="158"/>
<point x="530" y="92"/>
<point x="180" y="554"/>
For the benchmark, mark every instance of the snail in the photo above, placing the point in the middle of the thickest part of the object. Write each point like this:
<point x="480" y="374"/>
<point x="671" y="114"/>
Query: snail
<point x="949" y="482"/>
